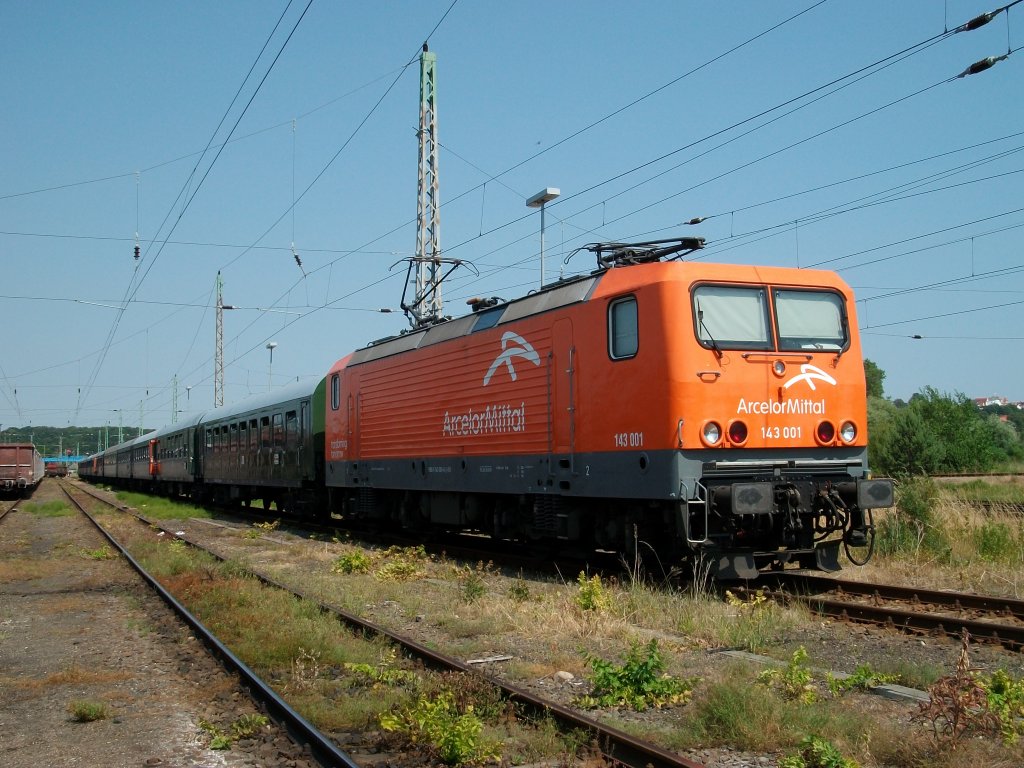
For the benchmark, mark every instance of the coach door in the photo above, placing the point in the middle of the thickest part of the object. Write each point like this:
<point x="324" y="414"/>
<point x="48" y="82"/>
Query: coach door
<point x="562" y="406"/>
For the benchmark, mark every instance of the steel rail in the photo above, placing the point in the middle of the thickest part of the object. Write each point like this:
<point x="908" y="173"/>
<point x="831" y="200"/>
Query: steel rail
<point x="1002" y="606"/>
<point x="1009" y="635"/>
<point x="1004" y="634"/>
<point x="615" y="744"/>
<point x="301" y="730"/>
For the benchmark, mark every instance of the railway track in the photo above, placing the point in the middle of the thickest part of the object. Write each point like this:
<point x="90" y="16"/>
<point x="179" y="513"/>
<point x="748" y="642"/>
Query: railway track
<point x="994" y="619"/>
<point x="303" y="733"/>
<point x="617" y="747"/>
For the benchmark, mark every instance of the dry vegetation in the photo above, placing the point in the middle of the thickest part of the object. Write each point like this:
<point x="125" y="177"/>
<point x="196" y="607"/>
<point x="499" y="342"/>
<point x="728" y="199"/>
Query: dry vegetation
<point x="938" y="538"/>
<point x="553" y="629"/>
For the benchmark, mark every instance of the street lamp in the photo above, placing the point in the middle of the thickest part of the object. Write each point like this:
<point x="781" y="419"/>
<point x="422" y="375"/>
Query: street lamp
<point x="539" y="200"/>
<point x="270" y="368"/>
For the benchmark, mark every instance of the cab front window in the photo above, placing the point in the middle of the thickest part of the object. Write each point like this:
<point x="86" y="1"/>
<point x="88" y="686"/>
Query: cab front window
<point x="731" y="317"/>
<point x="810" y="319"/>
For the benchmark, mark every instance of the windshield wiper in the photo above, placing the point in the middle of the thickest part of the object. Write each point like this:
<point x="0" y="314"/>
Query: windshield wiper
<point x="701" y="324"/>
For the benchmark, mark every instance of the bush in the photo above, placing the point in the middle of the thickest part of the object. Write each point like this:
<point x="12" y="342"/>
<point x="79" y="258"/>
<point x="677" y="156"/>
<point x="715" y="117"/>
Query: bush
<point x="591" y="594"/>
<point x="638" y="684"/>
<point x="437" y="722"/>
<point x="795" y="682"/>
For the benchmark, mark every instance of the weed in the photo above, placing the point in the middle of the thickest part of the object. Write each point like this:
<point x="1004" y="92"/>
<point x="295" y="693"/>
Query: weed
<point x="244" y="727"/>
<point x="1005" y="695"/>
<point x="864" y="679"/>
<point x="816" y="752"/>
<point x="356" y="561"/>
<point x="258" y="529"/>
<point x="519" y="590"/>
<point x="248" y="725"/>
<point x="958" y="704"/>
<point x="305" y="668"/>
<point x="758" y="623"/>
<point x="383" y="673"/>
<point x="472" y="581"/>
<point x="638" y="684"/>
<point x="87" y="711"/>
<point x="103" y="553"/>
<point x="437" y="722"/>
<point x="591" y="594"/>
<point x="402" y="564"/>
<point x="795" y="682"/>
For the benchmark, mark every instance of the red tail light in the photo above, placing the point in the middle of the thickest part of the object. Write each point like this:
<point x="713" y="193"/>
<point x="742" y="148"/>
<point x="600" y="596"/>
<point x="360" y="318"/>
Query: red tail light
<point x="826" y="432"/>
<point x="737" y="433"/>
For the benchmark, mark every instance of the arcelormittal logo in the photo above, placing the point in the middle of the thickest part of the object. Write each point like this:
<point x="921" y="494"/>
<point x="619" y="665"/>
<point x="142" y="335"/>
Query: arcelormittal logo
<point x="512" y="345"/>
<point x="810" y="373"/>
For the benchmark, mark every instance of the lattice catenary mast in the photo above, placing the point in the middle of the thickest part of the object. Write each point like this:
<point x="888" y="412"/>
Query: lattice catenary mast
<point x="427" y="305"/>
<point x="218" y="365"/>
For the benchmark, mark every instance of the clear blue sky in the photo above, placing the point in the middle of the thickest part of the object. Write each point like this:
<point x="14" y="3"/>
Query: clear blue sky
<point x="906" y="180"/>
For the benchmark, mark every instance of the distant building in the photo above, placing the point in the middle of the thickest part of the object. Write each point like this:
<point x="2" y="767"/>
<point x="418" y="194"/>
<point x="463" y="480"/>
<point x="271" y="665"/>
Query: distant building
<point x="983" y="402"/>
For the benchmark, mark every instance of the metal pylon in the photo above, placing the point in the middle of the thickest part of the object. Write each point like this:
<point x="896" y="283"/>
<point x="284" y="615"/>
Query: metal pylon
<point x="218" y="365"/>
<point x="427" y="305"/>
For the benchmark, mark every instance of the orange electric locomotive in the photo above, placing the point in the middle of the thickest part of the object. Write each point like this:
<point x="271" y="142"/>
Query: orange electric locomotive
<point x="683" y="408"/>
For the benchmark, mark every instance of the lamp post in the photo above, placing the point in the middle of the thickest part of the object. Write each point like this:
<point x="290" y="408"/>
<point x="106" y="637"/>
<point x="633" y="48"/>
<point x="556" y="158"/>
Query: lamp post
<point x="539" y="200"/>
<point x="270" y="368"/>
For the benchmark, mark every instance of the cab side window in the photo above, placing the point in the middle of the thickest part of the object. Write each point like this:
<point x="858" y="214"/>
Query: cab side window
<point x="623" y="329"/>
<point x="335" y="392"/>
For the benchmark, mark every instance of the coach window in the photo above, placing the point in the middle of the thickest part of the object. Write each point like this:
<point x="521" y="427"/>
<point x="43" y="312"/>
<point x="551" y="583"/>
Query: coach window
<point x="243" y="437"/>
<point x="265" y="432"/>
<point x="291" y="429"/>
<point x="233" y="447"/>
<point x="731" y="317"/>
<point x="209" y="439"/>
<point x="254" y="435"/>
<point x="335" y="392"/>
<point x="623" y="330"/>
<point x="278" y="431"/>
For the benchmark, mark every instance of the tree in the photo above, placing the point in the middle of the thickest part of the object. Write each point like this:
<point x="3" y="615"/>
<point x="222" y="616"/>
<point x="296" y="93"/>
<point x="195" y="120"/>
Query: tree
<point x="874" y="377"/>
<point x="909" y="447"/>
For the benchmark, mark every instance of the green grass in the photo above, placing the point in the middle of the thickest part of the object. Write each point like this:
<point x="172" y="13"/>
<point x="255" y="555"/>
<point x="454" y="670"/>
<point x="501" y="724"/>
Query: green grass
<point x="48" y="508"/>
<point x="156" y="507"/>
<point x="87" y="711"/>
<point x="985" y="491"/>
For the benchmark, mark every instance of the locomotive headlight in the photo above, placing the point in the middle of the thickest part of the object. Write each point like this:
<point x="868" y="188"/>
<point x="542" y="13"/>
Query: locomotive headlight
<point x="711" y="434"/>
<point x="848" y="432"/>
<point x="779" y="368"/>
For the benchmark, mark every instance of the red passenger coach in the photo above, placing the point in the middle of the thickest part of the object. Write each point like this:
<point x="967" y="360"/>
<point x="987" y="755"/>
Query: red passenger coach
<point x="679" y="407"/>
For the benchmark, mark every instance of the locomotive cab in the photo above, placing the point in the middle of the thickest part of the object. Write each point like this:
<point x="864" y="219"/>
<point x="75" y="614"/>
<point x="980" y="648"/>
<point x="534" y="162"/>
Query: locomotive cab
<point x="783" y="424"/>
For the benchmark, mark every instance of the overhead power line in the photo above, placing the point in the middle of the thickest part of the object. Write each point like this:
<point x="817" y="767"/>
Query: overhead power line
<point x="132" y="291"/>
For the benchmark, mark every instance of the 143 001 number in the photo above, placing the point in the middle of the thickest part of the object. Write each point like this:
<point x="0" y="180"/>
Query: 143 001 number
<point x="774" y="433"/>
<point x="629" y="439"/>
